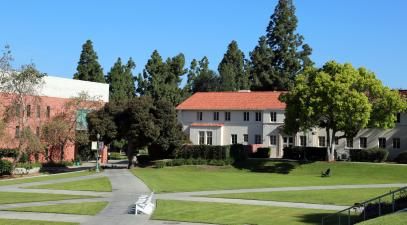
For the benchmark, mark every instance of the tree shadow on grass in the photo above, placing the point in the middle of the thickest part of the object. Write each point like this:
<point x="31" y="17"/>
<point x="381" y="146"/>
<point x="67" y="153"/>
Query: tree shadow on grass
<point x="316" y="218"/>
<point x="268" y="166"/>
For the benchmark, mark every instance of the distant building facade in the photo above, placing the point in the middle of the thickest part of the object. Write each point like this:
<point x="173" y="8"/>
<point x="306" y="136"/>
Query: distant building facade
<point x="53" y="96"/>
<point x="257" y="119"/>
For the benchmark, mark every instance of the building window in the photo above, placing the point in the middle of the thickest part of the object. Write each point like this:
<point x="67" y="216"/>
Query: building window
<point x="363" y="142"/>
<point x="48" y="111"/>
<point x="303" y="141"/>
<point x="209" y="137"/>
<point x="246" y="116"/>
<point x="258" y="116"/>
<point x="227" y="116"/>
<point x="234" y="139"/>
<point x="349" y="142"/>
<point x="37" y="131"/>
<point x="201" y="137"/>
<point x="17" y="131"/>
<point x="246" y="138"/>
<point x="321" y="141"/>
<point x="215" y="115"/>
<point x="38" y="111"/>
<point x="336" y="140"/>
<point x="288" y="141"/>
<point x="382" y="142"/>
<point x="273" y="140"/>
<point x="199" y="116"/>
<point x="257" y="139"/>
<point x="28" y="110"/>
<point x="273" y="116"/>
<point x="398" y="118"/>
<point x="396" y="142"/>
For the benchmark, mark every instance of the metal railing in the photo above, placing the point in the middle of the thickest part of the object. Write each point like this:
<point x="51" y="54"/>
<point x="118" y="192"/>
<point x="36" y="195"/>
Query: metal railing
<point x="383" y="204"/>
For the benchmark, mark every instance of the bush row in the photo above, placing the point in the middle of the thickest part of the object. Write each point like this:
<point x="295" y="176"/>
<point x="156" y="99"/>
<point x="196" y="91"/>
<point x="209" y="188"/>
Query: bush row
<point x="401" y="158"/>
<point x="208" y="152"/>
<point x="57" y="164"/>
<point x="8" y="153"/>
<point x="261" y="153"/>
<point x="192" y="161"/>
<point x="368" y="155"/>
<point x="302" y="153"/>
<point x="116" y="155"/>
<point x="5" y="167"/>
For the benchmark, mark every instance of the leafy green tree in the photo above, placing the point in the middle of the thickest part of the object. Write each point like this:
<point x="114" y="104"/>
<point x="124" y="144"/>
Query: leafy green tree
<point x="161" y="80"/>
<point x="342" y="100"/>
<point x="121" y="81"/>
<point x="201" y="78"/>
<point x="231" y="69"/>
<point x="170" y="135"/>
<point x="281" y="55"/>
<point x="88" y="68"/>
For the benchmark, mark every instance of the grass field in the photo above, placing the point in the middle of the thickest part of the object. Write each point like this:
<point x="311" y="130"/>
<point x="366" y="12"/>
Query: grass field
<point x="33" y="222"/>
<point x="346" y="197"/>
<point x="393" y="219"/>
<point x="85" y="208"/>
<point x="19" y="197"/>
<point x="219" y="213"/>
<point x="101" y="184"/>
<point x="4" y="182"/>
<point x="260" y="174"/>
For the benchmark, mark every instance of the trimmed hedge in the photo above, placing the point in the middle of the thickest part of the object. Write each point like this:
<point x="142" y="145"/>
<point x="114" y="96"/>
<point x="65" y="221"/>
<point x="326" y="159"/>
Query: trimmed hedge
<point x="207" y="152"/>
<point x="5" y="167"/>
<point x="191" y="161"/>
<point x="239" y="152"/>
<point x="368" y="155"/>
<point x="52" y="164"/>
<point x="8" y="153"/>
<point x="401" y="158"/>
<point x="262" y="153"/>
<point x="302" y="153"/>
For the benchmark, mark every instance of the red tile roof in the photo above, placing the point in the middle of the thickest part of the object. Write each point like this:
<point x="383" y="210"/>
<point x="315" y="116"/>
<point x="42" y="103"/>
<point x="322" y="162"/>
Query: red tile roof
<point x="403" y="93"/>
<point x="207" y="124"/>
<point x="233" y="101"/>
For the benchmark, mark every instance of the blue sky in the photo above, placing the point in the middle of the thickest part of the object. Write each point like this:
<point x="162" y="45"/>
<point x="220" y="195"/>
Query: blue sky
<point x="369" y="33"/>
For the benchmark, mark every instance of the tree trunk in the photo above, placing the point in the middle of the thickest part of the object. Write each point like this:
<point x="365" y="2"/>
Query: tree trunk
<point x="331" y="145"/>
<point x="130" y="155"/>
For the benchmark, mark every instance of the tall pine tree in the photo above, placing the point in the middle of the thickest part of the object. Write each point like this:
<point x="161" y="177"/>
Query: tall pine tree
<point x="232" y="70"/>
<point x="161" y="80"/>
<point x="287" y="55"/>
<point x="201" y="78"/>
<point x="121" y="81"/>
<point x="88" y="67"/>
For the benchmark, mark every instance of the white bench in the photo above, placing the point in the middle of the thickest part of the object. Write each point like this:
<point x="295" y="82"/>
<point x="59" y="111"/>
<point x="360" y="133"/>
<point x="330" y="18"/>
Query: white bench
<point x="144" y="204"/>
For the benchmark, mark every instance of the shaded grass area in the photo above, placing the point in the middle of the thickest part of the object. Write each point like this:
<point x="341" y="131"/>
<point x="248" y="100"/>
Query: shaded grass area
<point x="101" y="184"/>
<point x="33" y="222"/>
<point x="393" y="219"/>
<point x="258" y="174"/>
<point x="84" y="208"/>
<point x="44" y="178"/>
<point x="346" y="197"/>
<point x="19" y="197"/>
<point x="222" y="213"/>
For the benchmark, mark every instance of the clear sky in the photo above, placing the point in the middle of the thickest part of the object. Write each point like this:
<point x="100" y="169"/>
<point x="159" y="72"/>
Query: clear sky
<point x="49" y="33"/>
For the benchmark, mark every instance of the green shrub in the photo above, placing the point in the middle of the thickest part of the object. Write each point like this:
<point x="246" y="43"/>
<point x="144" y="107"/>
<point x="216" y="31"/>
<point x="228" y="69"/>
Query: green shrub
<point x="8" y="153"/>
<point x="401" y="158"/>
<point x="207" y="152"/>
<point x="239" y="152"/>
<point x="302" y="153"/>
<point x="161" y="163"/>
<point x="5" y="167"/>
<point x="116" y="156"/>
<point x="368" y="155"/>
<point x="24" y="158"/>
<point x="143" y="159"/>
<point x="262" y="153"/>
<point x="52" y="164"/>
<point x="28" y="165"/>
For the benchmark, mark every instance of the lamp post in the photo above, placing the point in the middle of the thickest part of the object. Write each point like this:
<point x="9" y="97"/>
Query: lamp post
<point x="97" y="153"/>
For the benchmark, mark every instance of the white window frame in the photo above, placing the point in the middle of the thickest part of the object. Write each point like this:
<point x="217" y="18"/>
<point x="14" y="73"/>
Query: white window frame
<point x="199" y="116"/>
<point x="321" y="141"/>
<point x="246" y="116"/>
<point x="201" y="137"/>
<point x="233" y="138"/>
<point x="273" y="116"/>
<point x="227" y="116"/>
<point x="303" y="140"/>
<point x="258" y="139"/>
<point x="209" y="138"/>
<point x="396" y="143"/>
<point x="246" y="138"/>
<point x="216" y="116"/>
<point x="381" y="142"/>
<point x="273" y="140"/>
<point x="258" y="116"/>
<point x="364" y="144"/>
<point x="349" y="142"/>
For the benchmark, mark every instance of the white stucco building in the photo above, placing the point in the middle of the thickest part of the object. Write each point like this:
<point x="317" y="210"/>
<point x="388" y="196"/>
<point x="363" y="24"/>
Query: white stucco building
<point x="256" y="118"/>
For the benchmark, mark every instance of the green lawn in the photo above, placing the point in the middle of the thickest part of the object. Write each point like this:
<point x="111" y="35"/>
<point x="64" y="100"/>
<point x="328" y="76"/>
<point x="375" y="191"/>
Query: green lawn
<point x="85" y="208"/>
<point x="33" y="222"/>
<point x="4" y="182"/>
<point x="393" y="219"/>
<point x="260" y="174"/>
<point x="346" y="197"/>
<point x="18" y="197"/>
<point x="220" y="213"/>
<point x="96" y="184"/>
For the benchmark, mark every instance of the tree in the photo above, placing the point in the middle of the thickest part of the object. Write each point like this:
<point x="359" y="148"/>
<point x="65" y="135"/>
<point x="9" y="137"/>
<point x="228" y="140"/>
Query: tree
<point x="231" y="69"/>
<point x="121" y="81"/>
<point x="68" y="127"/>
<point x="342" y="100"/>
<point x="281" y="54"/>
<point x="201" y="78"/>
<point x="88" y="68"/>
<point x="161" y="80"/>
<point x="21" y="90"/>
<point x="170" y="135"/>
